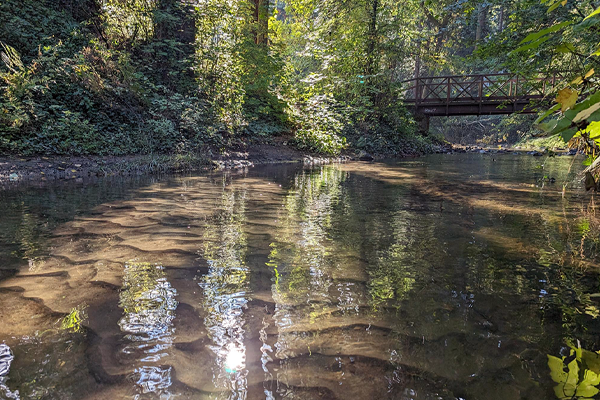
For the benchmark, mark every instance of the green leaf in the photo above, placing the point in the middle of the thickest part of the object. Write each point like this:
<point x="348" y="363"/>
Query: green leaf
<point x="586" y="391"/>
<point x="590" y="359"/>
<point x="596" y="12"/>
<point x="594" y="117"/>
<point x="565" y="48"/>
<point x="594" y="133"/>
<point x="533" y="45"/>
<point x="573" y="375"/>
<point x="557" y="372"/>
<point x="553" y="6"/>
<point x="568" y="134"/>
<point x="553" y="28"/>
<point x="548" y="126"/>
<point x="585" y="114"/>
<point x="555" y="108"/>
<point x="561" y="125"/>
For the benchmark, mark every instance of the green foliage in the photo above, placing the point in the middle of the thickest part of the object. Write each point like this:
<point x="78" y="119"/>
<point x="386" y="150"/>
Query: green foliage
<point x="73" y="321"/>
<point x="563" y="38"/>
<point x="577" y="376"/>
<point x="171" y="76"/>
<point x="127" y="80"/>
<point x="320" y="126"/>
<point x="342" y="69"/>
<point x="552" y="142"/>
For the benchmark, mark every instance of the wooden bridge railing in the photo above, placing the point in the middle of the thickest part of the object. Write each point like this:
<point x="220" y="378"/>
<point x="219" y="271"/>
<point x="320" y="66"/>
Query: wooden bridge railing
<point x="501" y="93"/>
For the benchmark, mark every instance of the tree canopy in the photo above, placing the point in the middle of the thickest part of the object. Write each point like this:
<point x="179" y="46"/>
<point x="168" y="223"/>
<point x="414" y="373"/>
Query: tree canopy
<point x="140" y="76"/>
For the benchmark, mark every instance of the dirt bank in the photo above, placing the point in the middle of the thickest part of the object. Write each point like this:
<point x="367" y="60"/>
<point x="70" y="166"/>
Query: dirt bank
<point x="14" y="170"/>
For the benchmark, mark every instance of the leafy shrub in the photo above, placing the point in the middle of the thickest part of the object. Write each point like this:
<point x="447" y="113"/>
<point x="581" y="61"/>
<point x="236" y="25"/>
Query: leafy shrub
<point x="68" y="134"/>
<point x="321" y="126"/>
<point x="161" y="135"/>
<point x="319" y="141"/>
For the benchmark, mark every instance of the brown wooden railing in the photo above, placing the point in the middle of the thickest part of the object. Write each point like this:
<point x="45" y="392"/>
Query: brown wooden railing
<point x="501" y="93"/>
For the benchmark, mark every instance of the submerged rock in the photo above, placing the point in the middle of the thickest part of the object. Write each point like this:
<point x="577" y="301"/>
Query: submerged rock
<point x="6" y="358"/>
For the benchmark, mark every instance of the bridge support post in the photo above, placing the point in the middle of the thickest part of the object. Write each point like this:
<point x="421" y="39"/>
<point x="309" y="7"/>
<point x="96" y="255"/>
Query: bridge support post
<point x="422" y="123"/>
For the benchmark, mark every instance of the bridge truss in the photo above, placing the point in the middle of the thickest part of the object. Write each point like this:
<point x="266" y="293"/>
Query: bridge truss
<point x="481" y="94"/>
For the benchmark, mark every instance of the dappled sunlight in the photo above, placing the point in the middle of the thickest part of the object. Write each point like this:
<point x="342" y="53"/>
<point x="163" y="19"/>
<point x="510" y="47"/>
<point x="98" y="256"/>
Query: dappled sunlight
<point x="368" y="280"/>
<point x="225" y="286"/>
<point x="148" y="303"/>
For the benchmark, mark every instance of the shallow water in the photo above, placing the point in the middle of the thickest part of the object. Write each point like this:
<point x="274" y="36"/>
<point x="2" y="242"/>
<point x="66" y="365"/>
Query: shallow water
<point x="442" y="277"/>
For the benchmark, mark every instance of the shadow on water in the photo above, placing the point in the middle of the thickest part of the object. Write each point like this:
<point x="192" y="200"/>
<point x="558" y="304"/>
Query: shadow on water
<point x="443" y="277"/>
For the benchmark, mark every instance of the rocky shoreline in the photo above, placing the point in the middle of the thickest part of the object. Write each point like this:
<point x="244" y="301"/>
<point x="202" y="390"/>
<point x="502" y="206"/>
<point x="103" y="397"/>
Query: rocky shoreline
<point x="512" y="150"/>
<point x="42" y="169"/>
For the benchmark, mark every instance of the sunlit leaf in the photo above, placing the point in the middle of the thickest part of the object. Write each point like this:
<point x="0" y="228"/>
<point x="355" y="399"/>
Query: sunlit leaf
<point x="577" y="80"/>
<point x="589" y="73"/>
<point x="539" y="34"/>
<point x="593" y="131"/>
<point x="586" y="391"/>
<point x="557" y="372"/>
<point x="596" y="12"/>
<point x="585" y="114"/>
<point x="567" y="98"/>
<point x="573" y="374"/>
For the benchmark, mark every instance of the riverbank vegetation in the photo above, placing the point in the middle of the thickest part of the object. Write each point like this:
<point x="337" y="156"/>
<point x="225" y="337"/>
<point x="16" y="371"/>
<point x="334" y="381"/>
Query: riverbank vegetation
<point x="115" y="77"/>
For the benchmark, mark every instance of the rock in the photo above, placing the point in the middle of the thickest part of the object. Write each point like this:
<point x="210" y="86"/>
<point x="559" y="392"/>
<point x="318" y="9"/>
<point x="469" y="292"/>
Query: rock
<point x="535" y="153"/>
<point x="337" y="365"/>
<point x="364" y="156"/>
<point x="6" y="358"/>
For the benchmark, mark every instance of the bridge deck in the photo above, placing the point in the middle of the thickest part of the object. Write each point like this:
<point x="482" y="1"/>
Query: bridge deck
<point x="482" y="94"/>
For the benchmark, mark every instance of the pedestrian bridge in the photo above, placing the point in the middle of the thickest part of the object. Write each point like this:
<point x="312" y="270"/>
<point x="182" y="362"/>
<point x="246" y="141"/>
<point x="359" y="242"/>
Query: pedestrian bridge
<point x="480" y="94"/>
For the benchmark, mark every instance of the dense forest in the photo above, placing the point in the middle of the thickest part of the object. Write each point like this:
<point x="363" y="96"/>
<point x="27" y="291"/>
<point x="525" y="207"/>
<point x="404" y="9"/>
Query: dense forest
<point x="175" y="76"/>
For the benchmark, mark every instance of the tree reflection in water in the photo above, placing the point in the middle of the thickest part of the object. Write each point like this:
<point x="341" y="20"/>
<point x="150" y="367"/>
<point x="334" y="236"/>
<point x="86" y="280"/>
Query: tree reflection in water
<point x="148" y="303"/>
<point x="303" y="260"/>
<point x="225" y="293"/>
<point x="302" y="250"/>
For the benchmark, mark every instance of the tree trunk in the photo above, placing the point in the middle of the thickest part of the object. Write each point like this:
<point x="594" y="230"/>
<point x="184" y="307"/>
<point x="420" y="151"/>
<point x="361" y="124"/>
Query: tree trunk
<point x="481" y="25"/>
<point x="501" y="19"/>
<point x="261" y="20"/>
<point x="371" y="66"/>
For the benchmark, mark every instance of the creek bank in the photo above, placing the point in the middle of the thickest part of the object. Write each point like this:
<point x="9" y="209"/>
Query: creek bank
<point x="40" y="169"/>
<point x="513" y="150"/>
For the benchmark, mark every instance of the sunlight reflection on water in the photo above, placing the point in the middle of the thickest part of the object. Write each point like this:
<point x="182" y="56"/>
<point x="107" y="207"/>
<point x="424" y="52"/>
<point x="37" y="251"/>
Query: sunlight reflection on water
<point x="149" y="305"/>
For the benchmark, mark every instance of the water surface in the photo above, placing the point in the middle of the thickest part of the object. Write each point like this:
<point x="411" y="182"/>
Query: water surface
<point x="443" y="277"/>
